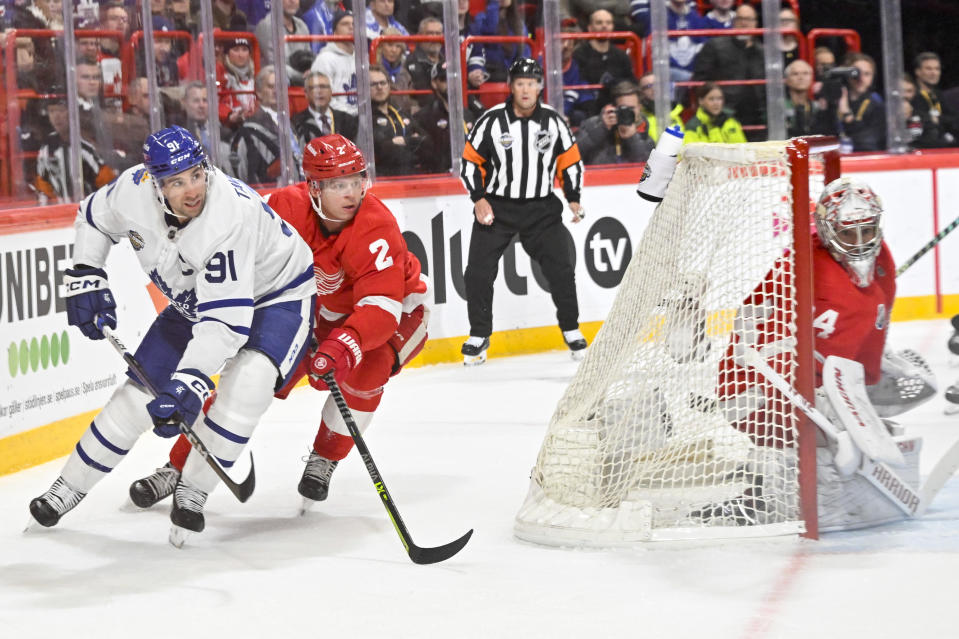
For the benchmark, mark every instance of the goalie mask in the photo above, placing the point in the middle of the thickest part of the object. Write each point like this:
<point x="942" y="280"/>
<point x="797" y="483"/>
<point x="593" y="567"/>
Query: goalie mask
<point x="848" y="218"/>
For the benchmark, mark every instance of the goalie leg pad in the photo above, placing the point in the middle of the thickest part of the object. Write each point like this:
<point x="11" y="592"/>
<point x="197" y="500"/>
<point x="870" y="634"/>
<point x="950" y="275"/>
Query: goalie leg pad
<point x="244" y="394"/>
<point x="110" y="436"/>
<point x="847" y="503"/>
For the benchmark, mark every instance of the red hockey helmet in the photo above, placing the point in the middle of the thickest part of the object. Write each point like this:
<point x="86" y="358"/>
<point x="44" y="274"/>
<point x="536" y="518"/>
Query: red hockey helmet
<point x="331" y="156"/>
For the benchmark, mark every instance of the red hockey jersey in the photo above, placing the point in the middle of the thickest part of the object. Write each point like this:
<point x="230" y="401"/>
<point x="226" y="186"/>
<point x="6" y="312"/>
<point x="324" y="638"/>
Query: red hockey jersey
<point x="365" y="276"/>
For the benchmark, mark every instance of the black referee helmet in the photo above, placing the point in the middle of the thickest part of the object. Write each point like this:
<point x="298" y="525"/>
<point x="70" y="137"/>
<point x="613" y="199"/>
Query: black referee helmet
<point x="525" y="68"/>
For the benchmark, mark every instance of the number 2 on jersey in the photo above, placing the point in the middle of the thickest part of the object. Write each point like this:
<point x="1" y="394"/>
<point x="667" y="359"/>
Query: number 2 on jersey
<point x="383" y="260"/>
<point x="826" y="323"/>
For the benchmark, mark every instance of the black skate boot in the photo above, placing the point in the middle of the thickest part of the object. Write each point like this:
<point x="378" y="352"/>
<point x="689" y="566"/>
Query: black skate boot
<point x="315" y="483"/>
<point x="154" y="488"/>
<point x="187" y="513"/>
<point x="474" y="350"/>
<point x="576" y="342"/>
<point x="48" y="508"/>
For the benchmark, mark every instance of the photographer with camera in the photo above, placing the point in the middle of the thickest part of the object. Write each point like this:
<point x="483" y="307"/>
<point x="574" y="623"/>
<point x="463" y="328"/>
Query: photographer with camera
<point x="860" y="112"/>
<point x="620" y="133"/>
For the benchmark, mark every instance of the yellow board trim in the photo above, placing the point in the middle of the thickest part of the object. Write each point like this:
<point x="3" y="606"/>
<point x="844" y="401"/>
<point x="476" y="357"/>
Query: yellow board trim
<point x="45" y="443"/>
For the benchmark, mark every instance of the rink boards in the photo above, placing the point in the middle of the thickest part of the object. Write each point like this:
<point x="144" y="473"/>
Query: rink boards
<point x="54" y="380"/>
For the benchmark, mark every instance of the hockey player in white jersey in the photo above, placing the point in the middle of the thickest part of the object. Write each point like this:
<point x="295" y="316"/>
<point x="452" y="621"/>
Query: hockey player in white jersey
<point x="241" y="291"/>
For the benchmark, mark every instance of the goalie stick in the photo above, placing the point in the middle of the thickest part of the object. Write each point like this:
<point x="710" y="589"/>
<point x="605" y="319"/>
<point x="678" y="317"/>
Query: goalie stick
<point x="418" y="554"/>
<point x="241" y="491"/>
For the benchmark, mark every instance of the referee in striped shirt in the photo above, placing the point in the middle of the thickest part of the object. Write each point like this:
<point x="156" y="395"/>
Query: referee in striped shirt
<point x="511" y="158"/>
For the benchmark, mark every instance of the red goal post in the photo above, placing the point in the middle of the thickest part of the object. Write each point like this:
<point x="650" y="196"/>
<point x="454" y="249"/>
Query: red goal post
<point x="658" y="429"/>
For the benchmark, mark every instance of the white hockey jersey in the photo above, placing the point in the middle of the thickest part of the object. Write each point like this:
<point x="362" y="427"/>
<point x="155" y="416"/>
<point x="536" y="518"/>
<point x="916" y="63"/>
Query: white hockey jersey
<point x="236" y="256"/>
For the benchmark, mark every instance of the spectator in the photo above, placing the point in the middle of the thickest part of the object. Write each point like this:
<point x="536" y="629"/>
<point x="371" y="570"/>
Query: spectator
<point x="292" y="25"/>
<point x="940" y="125"/>
<point x="235" y="76"/>
<point x="722" y="14"/>
<point x="736" y="58"/>
<point x="392" y="57"/>
<point x="420" y="63"/>
<point x="48" y="51"/>
<point x="53" y="180"/>
<point x="824" y="60"/>
<point x="681" y="15"/>
<point x="789" y="43"/>
<point x="164" y="61"/>
<point x="127" y="130"/>
<point x="914" y="124"/>
<point x="255" y="148"/>
<point x="88" y="49"/>
<point x="647" y="99"/>
<point x="599" y="61"/>
<point x="475" y="53"/>
<point x="395" y="136"/>
<point x="434" y="121"/>
<point x="578" y="103"/>
<point x="711" y="123"/>
<point x="379" y="15"/>
<point x="227" y="17"/>
<point x="500" y="18"/>
<point x="319" y="118"/>
<point x="861" y="112"/>
<point x="196" y="109"/>
<point x="183" y="18"/>
<point x="113" y="17"/>
<point x="620" y="133"/>
<point x="88" y="86"/>
<point x="338" y="64"/>
<point x="319" y="19"/>
<point x="803" y="115"/>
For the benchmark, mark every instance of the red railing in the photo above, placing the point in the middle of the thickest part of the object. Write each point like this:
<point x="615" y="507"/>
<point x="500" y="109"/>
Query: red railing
<point x="376" y="42"/>
<point x="128" y="59"/>
<point x="493" y="88"/>
<point x="850" y="37"/>
<point x="634" y="50"/>
<point x="702" y="33"/>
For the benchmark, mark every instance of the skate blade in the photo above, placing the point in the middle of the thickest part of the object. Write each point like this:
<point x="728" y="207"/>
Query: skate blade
<point x="306" y="506"/>
<point x="579" y="355"/>
<point x="474" y="360"/>
<point x="32" y="525"/>
<point x="178" y="536"/>
<point x="950" y="408"/>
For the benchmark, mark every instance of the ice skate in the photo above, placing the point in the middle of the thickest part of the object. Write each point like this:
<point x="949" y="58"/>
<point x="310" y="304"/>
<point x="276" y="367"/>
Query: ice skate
<point x="187" y="513"/>
<point x="314" y="486"/>
<point x="48" y="508"/>
<point x="474" y="350"/>
<point x="576" y="342"/>
<point x="154" y="488"/>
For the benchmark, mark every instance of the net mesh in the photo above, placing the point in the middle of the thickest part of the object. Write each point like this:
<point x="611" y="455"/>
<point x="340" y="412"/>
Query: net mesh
<point x="662" y="434"/>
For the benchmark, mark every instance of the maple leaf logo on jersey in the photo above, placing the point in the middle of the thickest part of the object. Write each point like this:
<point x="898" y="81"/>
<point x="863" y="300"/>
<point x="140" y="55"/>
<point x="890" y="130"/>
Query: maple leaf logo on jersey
<point x="328" y="283"/>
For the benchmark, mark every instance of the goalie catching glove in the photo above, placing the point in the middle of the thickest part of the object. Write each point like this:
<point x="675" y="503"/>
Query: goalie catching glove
<point x="339" y="353"/>
<point x="90" y="303"/>
<point x="180" y="400"/>
<point x="906" y="381"/>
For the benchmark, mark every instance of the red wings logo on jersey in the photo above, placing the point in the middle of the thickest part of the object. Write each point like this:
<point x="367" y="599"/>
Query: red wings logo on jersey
<point x="328" y="283"/>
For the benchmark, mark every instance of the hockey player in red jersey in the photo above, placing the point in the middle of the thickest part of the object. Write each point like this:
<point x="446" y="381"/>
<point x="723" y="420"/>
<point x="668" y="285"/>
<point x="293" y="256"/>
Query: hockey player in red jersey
<point x="854" y="288"/>
<point x="370" y="315"/>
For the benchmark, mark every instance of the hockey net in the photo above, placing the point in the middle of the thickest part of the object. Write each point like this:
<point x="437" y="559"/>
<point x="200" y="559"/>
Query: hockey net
<point x="651" y="434"/>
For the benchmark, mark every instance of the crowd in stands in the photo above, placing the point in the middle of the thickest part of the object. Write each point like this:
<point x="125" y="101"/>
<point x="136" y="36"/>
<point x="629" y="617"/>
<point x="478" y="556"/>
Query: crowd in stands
<point x="608" y="100"/>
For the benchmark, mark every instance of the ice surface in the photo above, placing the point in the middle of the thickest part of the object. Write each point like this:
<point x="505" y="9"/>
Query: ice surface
<point x="455" y="446"/>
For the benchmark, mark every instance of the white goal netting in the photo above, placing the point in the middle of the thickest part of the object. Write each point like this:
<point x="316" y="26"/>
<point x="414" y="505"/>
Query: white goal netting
<point x="661" y="434"/>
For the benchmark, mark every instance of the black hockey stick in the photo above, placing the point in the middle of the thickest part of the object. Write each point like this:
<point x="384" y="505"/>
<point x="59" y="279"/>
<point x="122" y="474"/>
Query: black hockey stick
<point x="928" y="247"/>
<point x="418" y="554"/>
<point x="240" y="491"/>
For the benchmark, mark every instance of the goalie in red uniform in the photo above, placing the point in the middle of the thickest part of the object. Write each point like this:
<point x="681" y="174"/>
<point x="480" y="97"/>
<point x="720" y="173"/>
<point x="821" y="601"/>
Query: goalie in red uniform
<point x="370" y="315"/>
<point x="854" y="288"/>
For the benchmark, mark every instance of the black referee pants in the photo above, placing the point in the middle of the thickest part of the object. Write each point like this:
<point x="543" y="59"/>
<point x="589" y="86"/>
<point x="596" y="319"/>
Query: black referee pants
<point x="539" y="224"/>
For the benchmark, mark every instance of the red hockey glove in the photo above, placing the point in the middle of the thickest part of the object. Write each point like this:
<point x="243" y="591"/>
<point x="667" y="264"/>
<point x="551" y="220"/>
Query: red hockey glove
<point x="339" y="353"/>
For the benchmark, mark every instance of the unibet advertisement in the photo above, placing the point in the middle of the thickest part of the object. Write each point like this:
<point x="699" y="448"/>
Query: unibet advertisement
<point x="50" y="370"/>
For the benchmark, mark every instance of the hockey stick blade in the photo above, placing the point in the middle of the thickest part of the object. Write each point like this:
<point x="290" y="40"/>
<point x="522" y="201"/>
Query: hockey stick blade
<point x="242" y="491"/>
<point x="417" y="554"/>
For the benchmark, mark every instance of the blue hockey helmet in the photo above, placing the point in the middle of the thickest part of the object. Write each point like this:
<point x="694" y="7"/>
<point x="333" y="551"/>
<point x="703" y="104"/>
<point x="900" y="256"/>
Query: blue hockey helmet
<point x="170" y="151"/>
